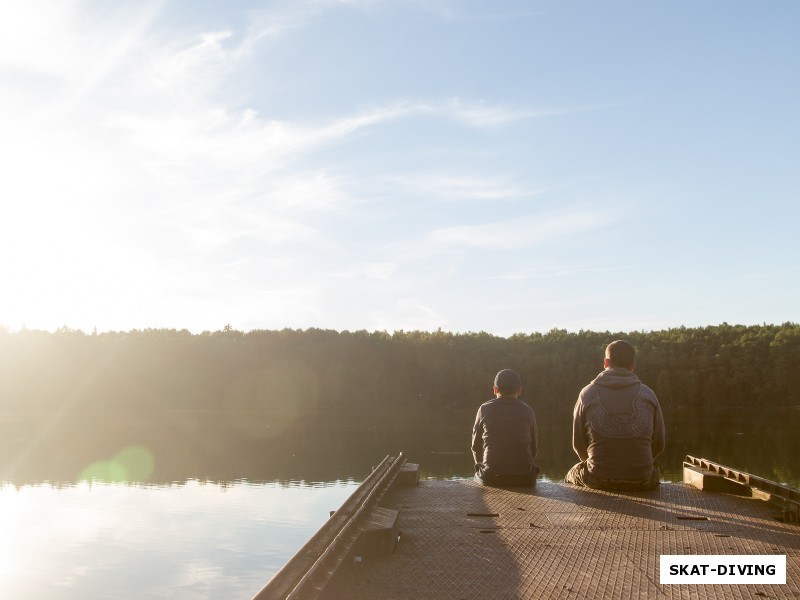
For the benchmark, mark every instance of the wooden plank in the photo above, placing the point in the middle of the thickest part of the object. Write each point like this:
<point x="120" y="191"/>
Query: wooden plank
<point x="380" y="535"/>
<point x="709" y="481"/>
<point x="710" y="476"/>
<point x="408" y="475"/>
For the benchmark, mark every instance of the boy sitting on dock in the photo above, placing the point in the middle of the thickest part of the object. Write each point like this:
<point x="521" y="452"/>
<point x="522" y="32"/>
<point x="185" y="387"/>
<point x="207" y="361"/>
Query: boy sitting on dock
<point x="618" y="428"/>
<point x="504" y="438"/>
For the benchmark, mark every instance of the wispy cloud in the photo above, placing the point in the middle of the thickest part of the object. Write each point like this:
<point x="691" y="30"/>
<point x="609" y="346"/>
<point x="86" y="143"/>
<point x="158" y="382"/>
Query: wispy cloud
<point x="283" y="17"/>
<point x="551" y="272"/>
<point x="478" y="113"/>
<point x="209" y="144"/>
<point x="530" y="230"/>
<point x="454" y="10"/>
<point x="463" y="187"/>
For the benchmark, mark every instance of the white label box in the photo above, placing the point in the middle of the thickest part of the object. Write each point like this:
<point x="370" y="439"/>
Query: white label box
<point x="733" y="569"/>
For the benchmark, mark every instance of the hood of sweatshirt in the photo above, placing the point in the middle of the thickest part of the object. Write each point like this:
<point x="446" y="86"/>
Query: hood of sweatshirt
<point x="616" y="378"/>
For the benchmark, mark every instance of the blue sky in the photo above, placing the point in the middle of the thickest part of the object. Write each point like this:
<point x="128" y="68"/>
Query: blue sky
<point x="398" y="164"/>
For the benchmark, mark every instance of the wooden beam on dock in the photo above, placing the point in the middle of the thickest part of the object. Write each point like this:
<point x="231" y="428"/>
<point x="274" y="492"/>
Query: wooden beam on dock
<point x="309" y="570"/>
<point x="712" y="477"/>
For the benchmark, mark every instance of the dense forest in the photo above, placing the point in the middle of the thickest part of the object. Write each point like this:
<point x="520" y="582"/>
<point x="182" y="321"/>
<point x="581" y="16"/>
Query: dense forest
<point x="289" y="404"/>
<point x="367" y="377"/>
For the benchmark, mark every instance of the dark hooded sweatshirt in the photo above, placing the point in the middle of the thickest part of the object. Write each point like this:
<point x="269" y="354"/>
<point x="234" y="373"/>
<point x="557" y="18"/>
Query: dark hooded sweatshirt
<point x="504" y="437"/>
<point x="618" y="427"/>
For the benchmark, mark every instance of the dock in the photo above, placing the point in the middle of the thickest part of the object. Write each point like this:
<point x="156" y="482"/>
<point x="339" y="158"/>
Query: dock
<point x="460" y="540"/>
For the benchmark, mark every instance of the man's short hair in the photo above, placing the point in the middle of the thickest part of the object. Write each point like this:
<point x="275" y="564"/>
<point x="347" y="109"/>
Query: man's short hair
<point x="508" y="382"/>
<point x="621" y="354"/>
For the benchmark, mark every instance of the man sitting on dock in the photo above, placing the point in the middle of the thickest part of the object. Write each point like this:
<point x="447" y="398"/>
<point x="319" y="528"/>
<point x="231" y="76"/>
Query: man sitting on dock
<point x="504" y="438"/>
<point x="618" y="428"/>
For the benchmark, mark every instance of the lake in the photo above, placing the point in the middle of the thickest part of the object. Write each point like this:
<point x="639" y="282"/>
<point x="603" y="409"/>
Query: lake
<point x="199" y="507"/>
<point x="189" y="540"/>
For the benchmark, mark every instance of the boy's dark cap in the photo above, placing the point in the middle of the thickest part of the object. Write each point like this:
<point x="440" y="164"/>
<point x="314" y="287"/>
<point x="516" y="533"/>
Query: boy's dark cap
<point x="508" y="380"/>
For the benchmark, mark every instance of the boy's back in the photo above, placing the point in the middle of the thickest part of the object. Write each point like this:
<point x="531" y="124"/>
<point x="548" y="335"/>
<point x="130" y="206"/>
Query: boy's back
<point x="504" y="437"/>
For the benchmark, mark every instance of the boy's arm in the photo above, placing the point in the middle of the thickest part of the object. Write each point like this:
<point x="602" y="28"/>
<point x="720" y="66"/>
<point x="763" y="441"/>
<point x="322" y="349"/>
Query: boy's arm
<point x="477" y="439"/>
<point x="534" y="436"/>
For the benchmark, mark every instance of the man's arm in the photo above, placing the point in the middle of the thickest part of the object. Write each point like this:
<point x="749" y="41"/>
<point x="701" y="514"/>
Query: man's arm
<point x="477" y="439"/>
<point x="659" y="431"/>
<point x="534" y="436"/>
<point x="579" y="442"/>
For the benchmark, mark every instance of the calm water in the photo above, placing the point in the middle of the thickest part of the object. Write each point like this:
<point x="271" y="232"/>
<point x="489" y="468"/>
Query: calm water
<point x="194" y="540"/>
<point x="202" y="508"/>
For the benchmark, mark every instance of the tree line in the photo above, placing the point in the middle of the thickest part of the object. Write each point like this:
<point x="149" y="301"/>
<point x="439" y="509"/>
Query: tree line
<point x="321" y="376"/>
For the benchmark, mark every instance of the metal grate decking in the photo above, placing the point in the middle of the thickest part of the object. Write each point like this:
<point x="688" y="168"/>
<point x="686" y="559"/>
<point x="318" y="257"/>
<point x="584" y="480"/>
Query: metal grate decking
<point x="461" y="541"/>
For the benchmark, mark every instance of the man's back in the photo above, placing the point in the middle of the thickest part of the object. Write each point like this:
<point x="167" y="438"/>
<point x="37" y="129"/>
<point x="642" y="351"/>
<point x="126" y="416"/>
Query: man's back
<point x="618" y="425"/>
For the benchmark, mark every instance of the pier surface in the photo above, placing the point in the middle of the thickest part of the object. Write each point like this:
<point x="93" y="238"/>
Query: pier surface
<point x="460" y="541"/>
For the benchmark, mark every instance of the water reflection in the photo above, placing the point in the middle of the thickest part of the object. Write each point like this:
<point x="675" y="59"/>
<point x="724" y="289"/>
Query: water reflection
<point x="189" y="447"/>
<point x="194" y="540"/>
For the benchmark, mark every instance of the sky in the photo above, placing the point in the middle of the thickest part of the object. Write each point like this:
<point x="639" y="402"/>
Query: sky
<point x="508" y="167"/>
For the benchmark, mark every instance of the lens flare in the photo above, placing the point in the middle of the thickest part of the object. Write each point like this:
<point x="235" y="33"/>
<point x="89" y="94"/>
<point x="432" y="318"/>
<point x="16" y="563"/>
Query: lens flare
<point x="132" y="463"/>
